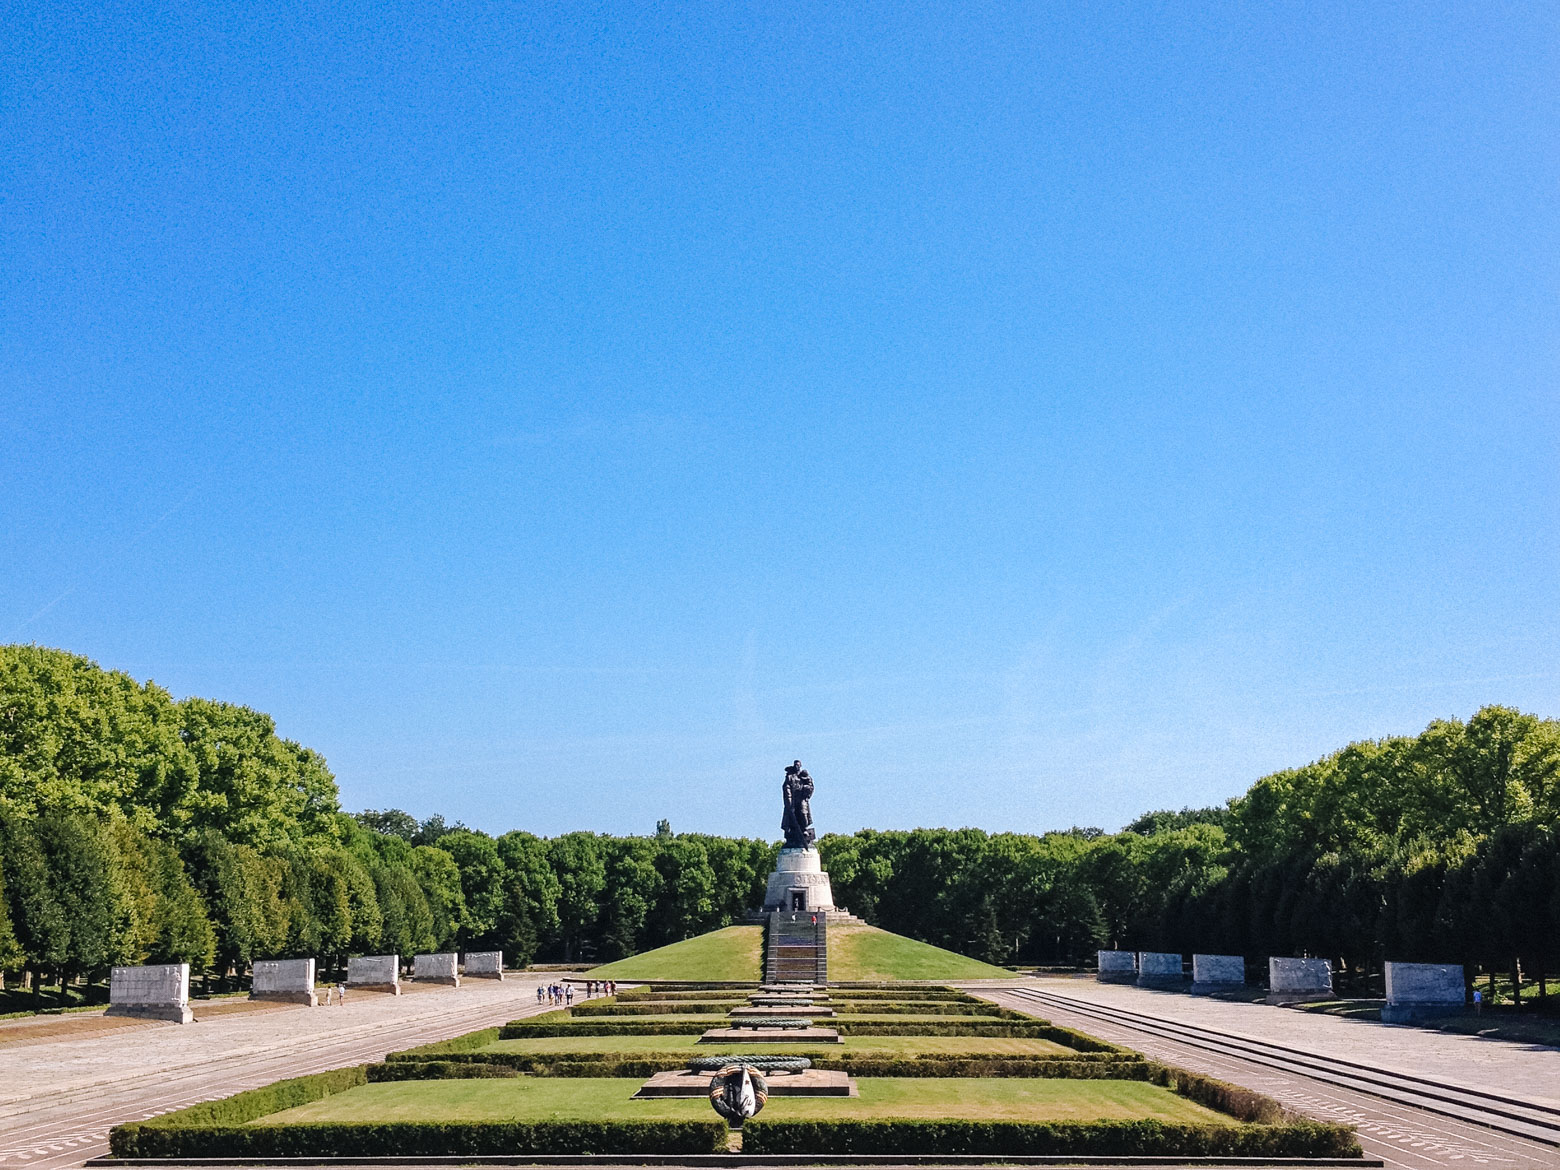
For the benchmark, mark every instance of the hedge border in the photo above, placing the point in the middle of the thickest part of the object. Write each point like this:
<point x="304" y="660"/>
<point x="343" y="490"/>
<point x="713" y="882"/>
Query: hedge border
<point x="541" y="1065"/>
<point x="220" y="1129"/>
<point x="1077" y="1139"/>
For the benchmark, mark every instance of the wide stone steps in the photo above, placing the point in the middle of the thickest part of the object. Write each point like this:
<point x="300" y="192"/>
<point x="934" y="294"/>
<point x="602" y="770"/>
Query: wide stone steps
<point x="797" y="948"/>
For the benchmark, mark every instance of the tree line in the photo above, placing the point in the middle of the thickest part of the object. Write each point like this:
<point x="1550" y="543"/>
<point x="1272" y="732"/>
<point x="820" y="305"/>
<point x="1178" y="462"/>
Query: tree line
<point x="134" y="828"/>
<point x="1440" y="847"/>
<point x="137" y="829"/>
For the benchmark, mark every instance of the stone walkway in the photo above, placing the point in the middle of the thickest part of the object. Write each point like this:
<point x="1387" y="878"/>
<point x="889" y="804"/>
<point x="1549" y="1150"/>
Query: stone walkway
<point x="1527" y="1071"/>
<point x="59" y="1095"/>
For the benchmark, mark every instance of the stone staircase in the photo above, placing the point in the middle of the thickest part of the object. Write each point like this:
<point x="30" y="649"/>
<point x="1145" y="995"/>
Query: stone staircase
<point x="797" y="948"/>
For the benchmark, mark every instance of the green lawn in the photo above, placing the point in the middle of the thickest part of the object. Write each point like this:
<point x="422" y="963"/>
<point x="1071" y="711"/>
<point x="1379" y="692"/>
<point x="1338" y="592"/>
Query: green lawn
<point x="865" y="953"/>
<point x="731" y="955"/>
<point x="909" y="1046"/>
<point x="545" y="1098"/>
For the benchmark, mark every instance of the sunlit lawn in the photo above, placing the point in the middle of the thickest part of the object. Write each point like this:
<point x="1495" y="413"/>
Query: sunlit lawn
<point x="546" y="1098"/>
<point x="725" y="956"/>
<point x="907" y="1046"/>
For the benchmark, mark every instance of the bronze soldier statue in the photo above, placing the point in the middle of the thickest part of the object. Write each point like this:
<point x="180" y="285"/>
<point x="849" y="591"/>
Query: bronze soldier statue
<point x="796" y="822"/>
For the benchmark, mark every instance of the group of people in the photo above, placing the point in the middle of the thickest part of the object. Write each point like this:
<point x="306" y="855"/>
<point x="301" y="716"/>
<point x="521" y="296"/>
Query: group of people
<point x="595" y="987"/>
<point x="339" y="991"/>
<point x="555" y="994"/>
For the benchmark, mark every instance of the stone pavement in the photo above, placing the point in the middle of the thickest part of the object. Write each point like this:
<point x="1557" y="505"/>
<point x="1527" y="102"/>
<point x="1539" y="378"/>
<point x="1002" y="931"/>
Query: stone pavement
<point x="59" y="1095"/>
<point x="1527" y="1071"/>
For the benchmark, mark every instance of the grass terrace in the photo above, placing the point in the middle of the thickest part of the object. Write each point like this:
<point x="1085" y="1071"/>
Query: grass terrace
<point x="732" y="955"/>
<point x="859" y="953"/>
<point x="936" y="1071"/>
<point x="544" y="1099"/>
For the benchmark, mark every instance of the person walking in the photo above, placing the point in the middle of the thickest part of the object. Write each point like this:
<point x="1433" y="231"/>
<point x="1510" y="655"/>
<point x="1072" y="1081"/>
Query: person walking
<point x="341" y="994"/>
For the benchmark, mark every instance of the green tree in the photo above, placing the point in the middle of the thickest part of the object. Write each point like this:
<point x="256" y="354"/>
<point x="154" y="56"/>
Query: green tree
<point x="481" y="883"/>
<point x="582" y="877"/>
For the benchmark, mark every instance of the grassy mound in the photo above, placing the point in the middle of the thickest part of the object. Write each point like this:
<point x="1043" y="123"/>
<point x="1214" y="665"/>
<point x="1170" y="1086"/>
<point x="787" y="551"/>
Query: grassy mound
<point x="865" y="953"/>
<point x="732" y="955"/>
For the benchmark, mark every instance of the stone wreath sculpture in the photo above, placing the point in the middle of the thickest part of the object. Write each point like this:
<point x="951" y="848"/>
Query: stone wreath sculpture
<point x="767" y="1022"/>
<point x="764" y="1064"/>
<point x="737" y="1092"/>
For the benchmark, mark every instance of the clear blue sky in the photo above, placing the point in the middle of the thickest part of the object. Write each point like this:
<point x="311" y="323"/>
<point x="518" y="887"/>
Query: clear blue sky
<point x="562" y="417"/>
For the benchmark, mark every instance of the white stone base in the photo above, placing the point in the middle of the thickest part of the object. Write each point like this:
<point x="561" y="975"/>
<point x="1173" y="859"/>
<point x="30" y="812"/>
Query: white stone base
<point x="799" y="871"/>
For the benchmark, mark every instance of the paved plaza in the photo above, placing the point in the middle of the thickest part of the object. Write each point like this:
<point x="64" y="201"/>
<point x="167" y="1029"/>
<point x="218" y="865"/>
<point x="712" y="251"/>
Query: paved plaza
<point x="59" y="1094"/>
<point x="1527" y="1071"/>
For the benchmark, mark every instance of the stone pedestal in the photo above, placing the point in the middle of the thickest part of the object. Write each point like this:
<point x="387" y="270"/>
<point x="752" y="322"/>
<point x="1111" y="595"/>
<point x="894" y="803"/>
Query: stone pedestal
<point x="1423" y="991"/>
<point x="159" y="992"/>
<point x="283" y="980"/>
<point x="798" y="883"/>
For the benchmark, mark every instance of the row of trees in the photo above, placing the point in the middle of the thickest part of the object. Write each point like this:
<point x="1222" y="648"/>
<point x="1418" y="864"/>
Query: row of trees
<point x="1436" y="847"/>
<point x="135" y="828"/>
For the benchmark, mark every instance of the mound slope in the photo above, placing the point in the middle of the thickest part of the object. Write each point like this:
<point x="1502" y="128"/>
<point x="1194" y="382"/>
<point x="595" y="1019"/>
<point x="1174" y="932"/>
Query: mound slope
<point x="857" y="953"/>
<point x="730" y="955"/>
<point x="860" y="953"/>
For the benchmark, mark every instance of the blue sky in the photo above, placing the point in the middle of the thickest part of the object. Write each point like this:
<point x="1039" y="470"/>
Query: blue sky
<point x="563" y="417"/>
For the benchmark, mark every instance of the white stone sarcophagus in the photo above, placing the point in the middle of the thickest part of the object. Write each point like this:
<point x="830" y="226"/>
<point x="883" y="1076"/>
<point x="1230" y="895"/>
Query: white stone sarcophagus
<point x="484" y="965"/>
<point x="1298" y="980"/>
<point x="158" y="992"/>
<point x="1118" y="966"/>
<point x="1159" y="969"/>
<point x="1423" y="991"/>
<point x="438" y="968"/>
<point x="284" y="980"/>
<point x="1214" y="973"/>
<point x="375" y="973"/>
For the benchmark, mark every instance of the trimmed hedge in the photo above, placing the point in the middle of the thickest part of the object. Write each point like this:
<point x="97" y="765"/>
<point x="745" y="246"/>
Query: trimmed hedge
<point x="502" y="1064"/>
<point x="424" y="1139"/>
<point x="525" y="1029"/>
<point x="470" y="1042"/>
<point x="932" y="994"/>
<point x="922" y="1008"/>
<point x="221" y="1129"/>
<point x="652" y="1008"/>
<point x="972" y="1027"/>
<point x="652" y="993"/>
<point x="1081" y="1139"/>
<point x="1240" y="1103"/>
<point x="438" y="1070"/>
<point x="241" y="1107"/>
